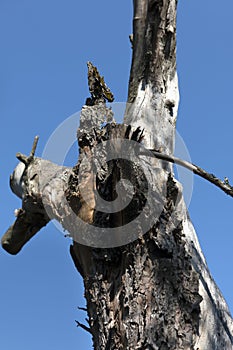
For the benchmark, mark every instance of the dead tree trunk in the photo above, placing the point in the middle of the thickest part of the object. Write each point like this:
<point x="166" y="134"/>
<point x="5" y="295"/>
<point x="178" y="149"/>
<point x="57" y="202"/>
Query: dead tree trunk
<point x="155" y="292"/>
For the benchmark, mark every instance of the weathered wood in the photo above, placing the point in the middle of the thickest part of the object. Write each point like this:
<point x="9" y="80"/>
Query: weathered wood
<point x="153" y="96"/>
<point x="224" y="185"/>
<point x="42" y="192"/>
<point x="155" y="292"/>
<point x="149" y="288"/>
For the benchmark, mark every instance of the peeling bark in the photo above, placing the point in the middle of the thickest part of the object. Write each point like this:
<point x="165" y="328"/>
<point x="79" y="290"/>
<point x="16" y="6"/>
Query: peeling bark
<point x="153" y="86"/>
<point x="155" y="292"/>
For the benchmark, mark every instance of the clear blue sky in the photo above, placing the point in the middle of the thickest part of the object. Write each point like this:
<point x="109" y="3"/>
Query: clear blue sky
<point x="44" y="49"/>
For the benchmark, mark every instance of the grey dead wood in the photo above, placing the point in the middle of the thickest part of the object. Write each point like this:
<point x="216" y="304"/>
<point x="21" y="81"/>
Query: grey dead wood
<point x="155" y="292"/>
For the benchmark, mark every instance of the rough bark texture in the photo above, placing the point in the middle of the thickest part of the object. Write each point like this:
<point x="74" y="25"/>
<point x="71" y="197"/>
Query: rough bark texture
<point x="153" y="90"/>
<point x="155" y="292"/>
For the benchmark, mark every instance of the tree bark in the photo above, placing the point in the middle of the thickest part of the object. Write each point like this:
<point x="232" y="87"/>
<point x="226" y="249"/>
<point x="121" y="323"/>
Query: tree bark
<point x="155" y="292"/>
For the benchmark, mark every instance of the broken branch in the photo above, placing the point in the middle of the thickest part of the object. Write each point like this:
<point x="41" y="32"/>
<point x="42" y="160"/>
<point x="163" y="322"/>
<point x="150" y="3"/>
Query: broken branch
<point x="28" y="159"/>
<point x="87" y="329"/>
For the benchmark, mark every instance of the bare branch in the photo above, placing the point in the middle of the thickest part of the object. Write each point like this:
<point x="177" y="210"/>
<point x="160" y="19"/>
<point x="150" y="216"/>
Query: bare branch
<point x="24" y="228"/>
<point x="87" y="329"/>
<point x="28" y="159"/>
<point x="82" y="308"/>
<point x="41" y="185"/>
<point x="35" y="142"/>
<point x="223" y="185"/>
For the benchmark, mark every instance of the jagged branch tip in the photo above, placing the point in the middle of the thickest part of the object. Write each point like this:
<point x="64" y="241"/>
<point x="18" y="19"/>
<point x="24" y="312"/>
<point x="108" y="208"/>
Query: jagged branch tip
<point x="28" y="159"/>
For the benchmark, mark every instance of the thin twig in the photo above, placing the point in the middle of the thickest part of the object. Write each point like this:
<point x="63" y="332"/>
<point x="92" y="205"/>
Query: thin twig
<point x="22" y="158"/>
<point x="223" y="185"/>
<point x="35" y="142"/>
<point x="82" y="308"/>
<point x="28" y="159"/>
<point x="87" y="329"/>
